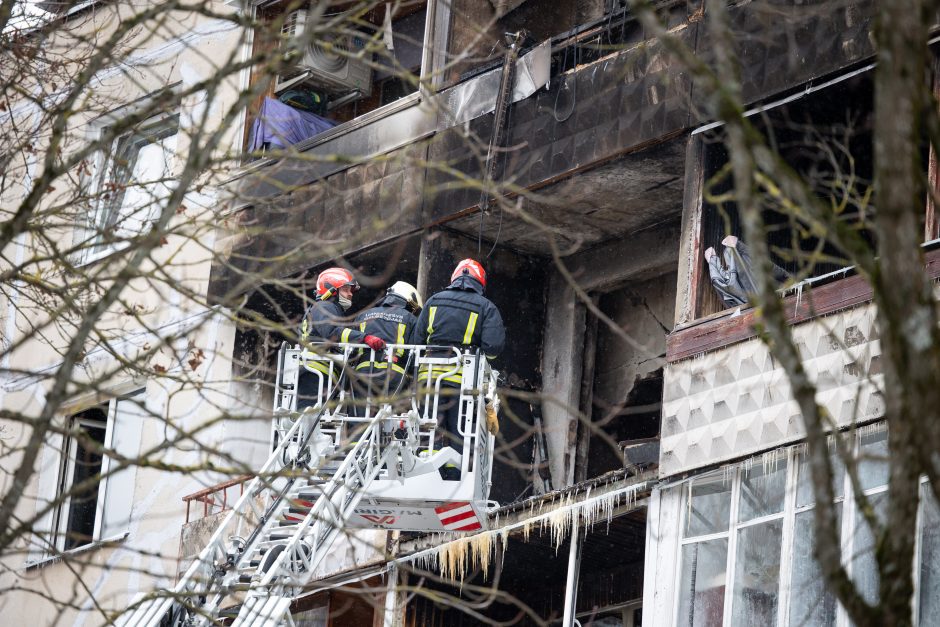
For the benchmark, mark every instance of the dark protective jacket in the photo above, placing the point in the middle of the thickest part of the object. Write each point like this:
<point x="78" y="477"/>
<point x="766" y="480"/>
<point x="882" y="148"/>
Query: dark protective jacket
<point x="461" y="316"/>
<point x="390" y="320"/>
<point x="325" y="321"/>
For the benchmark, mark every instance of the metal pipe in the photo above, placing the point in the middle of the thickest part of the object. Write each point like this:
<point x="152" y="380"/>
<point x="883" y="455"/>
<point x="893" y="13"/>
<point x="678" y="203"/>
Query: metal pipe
<point x="391" y="618"/>
<point x="574" y="565"/>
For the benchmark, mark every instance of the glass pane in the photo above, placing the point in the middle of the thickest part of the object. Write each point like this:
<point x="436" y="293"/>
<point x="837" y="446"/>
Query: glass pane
<point x="930" y="560"/>
<point x="762" y="491"/>
<point x="702" y="588"/>
<point x="83" y="502"/>
<point x="757" y="574"/>
<point x="811" y="605"/>
<point x="804" y="488"/>
<point x="864" y="568"/>
<point x="710" y="507"/>
<point x="873" y="460"/>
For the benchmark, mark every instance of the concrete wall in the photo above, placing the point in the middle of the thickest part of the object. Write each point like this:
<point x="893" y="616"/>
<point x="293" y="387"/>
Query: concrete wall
<point x="736" y="401"/>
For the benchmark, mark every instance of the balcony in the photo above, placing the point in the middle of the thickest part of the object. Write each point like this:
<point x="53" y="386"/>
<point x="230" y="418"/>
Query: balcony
<point x="725" y="397"/>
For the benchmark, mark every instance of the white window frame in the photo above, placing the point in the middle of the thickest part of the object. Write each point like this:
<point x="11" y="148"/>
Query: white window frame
<point x="66" y="484"/>
<point x="733" y="474"/>
<point x="95" y="247"/>
<point x="115" y="500"/>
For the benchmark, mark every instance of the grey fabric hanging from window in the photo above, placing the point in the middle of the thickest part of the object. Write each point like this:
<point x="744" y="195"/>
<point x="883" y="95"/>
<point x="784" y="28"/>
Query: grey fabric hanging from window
<point x="732" y="274"/>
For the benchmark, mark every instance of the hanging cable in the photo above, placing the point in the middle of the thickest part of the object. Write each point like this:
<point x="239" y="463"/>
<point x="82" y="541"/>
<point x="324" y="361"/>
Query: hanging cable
<point x="500" y="117"/>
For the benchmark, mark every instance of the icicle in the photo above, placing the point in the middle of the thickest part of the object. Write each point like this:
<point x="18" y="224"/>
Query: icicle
<point x="799" y="296"/>
<point x="872" y="429"/>
<point x="457" y="556"/>
<point x="727" y="473"/>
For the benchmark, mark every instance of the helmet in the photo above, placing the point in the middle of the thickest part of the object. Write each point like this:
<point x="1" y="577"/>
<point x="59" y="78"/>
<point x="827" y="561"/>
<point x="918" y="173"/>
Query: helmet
<point x="407" y="292"/>
<point x="471" y="267"/>
<point x="331" y="279"/>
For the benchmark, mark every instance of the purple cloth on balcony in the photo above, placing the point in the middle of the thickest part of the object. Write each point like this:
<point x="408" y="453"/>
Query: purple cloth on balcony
<point x="279" y="125"/>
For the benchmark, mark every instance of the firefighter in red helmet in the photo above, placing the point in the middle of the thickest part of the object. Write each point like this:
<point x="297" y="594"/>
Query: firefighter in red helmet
<point x="326" y="321"/>
<point x="461" y="316"/>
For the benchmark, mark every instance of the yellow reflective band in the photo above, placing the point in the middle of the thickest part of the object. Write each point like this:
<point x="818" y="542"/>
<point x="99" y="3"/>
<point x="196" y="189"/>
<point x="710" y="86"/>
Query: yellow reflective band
<point x="344" y="337"/>
<point x="362" y="327"/>
<point x="400" y="339"/>
<point x="322" y="367"/>
<point x="436" y="371"/>
<point x="304" y="331"/>
<point x="380" y="365"/>
<point x="431" y="312"/>
<point x="471" y="326"/>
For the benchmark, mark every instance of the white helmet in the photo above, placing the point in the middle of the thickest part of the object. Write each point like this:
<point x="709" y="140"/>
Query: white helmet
<point x="407" y="291"/>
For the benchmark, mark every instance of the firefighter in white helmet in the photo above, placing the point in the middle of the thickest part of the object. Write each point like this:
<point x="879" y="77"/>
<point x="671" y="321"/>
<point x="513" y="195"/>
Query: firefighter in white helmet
<point x="392" y="320"/>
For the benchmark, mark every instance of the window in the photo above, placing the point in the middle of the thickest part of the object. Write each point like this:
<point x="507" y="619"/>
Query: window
<point x="96" y="496"/>
<point x="135" y="177"/>
<point x="826" y="137"/>
<point x="747" y="541"/>
<point x="349" y="63"/>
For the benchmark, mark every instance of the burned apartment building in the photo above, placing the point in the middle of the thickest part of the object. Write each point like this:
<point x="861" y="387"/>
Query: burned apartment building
<point x="649" y="467"/>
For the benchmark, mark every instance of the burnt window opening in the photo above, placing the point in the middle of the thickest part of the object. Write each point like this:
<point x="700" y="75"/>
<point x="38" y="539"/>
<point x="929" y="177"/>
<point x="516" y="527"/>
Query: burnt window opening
<point x="365" y="62"/>
<point x="622" y="387"/>
<point x="825" y="137"/>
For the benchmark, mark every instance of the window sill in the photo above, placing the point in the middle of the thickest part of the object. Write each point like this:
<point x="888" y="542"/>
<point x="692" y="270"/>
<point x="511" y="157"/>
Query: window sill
<point x="736" y="325"/>
<point x="49" y="560"/>
<point x="94" y="258"/>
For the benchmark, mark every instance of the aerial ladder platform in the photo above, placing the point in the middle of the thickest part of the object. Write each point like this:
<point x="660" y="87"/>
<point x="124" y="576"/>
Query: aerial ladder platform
<point x="349" y="450"/>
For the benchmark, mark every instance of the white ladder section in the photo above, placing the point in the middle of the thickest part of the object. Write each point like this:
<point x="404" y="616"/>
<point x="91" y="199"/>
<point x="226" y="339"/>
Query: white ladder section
<point x="269" y="545"/>
<point x="280" y="555"/>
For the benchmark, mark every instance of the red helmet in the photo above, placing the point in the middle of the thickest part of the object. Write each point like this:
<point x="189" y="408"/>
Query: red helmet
<point x="471" y="267"/>
<point x="331" y="279"/>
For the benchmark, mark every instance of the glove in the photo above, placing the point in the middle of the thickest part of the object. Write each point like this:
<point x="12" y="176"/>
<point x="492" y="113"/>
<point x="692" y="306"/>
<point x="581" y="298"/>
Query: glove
<point x="375" y="343"/>
<point x="492" y="422"/>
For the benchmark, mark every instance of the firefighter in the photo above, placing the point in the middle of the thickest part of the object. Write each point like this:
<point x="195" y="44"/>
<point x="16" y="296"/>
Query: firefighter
<point x="325" y="321"/>
<point x="459" y="316"/>
<point x="393" y="321"/>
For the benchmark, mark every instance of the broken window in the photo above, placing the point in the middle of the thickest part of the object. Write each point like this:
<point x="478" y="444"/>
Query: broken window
<point x="622" y="387"/>
<point x="95" y="493"/>
<point x="336" y="67"/>
<point x="134" y="179"/>
<point x="825" y="137"/>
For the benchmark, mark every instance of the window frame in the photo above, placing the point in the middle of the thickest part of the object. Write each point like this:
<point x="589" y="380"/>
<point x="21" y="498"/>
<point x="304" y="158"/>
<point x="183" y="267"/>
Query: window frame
<point x="104" y="531"/>
<point x="791" y="457"/>
<point x="67" y="481"/>
<point x="151" y="130"/>
<point x="695" y="286"/>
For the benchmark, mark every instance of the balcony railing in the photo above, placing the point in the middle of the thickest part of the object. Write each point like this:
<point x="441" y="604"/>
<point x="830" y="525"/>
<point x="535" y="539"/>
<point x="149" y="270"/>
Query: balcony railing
<point x="215" y="498"/>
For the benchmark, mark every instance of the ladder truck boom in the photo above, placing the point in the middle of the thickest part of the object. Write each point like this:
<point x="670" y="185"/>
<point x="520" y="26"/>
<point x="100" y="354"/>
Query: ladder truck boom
<point x="268" y="547"/>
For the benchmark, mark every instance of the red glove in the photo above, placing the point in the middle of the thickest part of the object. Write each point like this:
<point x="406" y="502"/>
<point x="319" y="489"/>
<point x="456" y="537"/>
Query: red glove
<point x="375" y="343"/>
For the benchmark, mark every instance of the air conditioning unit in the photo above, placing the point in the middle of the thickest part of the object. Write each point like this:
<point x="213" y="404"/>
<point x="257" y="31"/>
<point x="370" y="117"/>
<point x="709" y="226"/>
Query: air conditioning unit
<point x="334" y="68"/>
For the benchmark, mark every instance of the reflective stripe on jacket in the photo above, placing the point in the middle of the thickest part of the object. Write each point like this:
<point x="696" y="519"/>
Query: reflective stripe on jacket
<point x="461" y="316"/>
<point x="390" y="320"/>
